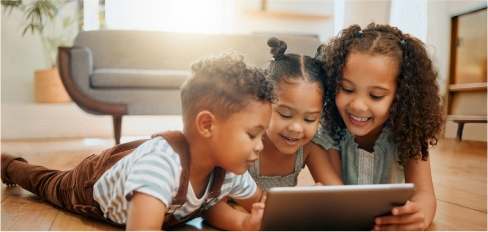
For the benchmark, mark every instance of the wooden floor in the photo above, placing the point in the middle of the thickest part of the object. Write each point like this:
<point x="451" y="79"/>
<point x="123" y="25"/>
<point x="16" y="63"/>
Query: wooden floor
<point x="458" y="168"/>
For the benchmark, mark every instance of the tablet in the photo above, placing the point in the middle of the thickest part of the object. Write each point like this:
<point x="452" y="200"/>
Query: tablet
<point x="346" y="207"/>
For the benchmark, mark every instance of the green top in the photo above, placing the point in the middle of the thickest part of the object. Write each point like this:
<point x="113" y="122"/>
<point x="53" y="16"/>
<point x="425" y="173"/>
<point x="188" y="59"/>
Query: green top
<point x="362" y="167"/>
<point x="290" y="180"/>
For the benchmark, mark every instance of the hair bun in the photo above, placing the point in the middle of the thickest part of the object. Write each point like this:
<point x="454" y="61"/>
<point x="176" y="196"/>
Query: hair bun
<point x="277" y="47"/>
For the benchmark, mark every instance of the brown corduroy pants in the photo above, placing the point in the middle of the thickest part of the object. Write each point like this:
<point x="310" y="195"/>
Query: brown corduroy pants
<point x="71" y="190"/>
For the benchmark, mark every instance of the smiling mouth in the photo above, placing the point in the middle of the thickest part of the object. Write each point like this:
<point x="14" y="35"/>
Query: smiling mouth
<point x="360" y="119"/>
<point x="290" y="139"/>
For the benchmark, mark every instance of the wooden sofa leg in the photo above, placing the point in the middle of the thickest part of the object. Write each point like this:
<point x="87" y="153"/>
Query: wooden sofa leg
<point x="117" y="128"/>
<point x="459" y="136"/>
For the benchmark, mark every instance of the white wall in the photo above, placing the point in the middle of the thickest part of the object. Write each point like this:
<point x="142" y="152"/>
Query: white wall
<point x="458" y="5"/>
<point x="364" y="12"/>
<point x="247" y="24"/>
<point x="20" y="56"/>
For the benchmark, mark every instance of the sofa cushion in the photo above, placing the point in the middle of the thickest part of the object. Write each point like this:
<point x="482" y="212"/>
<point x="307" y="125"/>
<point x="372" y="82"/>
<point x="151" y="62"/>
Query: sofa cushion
<point x="138" y="78"/>
<point x="158" y="50"/>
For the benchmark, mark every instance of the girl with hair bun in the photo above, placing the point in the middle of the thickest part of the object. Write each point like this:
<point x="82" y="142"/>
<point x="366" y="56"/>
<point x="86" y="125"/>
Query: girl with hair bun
<point x="294" y="121"/>
<point x="382" y="114"/>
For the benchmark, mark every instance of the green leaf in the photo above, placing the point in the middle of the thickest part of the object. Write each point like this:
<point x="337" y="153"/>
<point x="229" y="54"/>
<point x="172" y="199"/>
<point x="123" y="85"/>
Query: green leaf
<point x="40" y="16"/>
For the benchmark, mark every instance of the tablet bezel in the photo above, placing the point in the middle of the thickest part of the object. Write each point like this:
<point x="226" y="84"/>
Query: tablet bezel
<point x="345" y="207"/>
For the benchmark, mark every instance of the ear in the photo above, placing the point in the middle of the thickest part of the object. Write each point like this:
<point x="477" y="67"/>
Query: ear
<point x="205" y="123"/>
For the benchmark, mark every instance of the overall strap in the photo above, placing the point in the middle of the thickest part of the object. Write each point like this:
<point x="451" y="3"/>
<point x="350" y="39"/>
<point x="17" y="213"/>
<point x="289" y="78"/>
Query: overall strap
<point x="178" y="142"/>
<point x="218" y="180"/>
<point x="180" y="145"/>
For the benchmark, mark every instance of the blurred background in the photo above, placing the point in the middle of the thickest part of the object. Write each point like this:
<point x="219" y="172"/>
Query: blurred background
<point x="23" y="53"/>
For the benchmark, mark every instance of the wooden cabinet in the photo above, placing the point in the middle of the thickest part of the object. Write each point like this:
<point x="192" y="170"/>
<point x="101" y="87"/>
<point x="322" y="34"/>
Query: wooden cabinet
<point x="467" y="75"/>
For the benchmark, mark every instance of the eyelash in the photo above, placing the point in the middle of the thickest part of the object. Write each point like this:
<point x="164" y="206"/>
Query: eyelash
<point x="347" y="90"/>
<point x="284" y="116"/>
<point x="376" y="97"/>
<point x="252" y="136"/>
<point x="372" y="96"/>
<point x="288" y="117"/>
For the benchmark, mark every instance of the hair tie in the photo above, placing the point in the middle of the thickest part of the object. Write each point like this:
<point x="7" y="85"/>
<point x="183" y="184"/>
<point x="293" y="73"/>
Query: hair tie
<point x="360" y="32"/>
<point x="277" y="57"/>
<point x="403" y="42"/>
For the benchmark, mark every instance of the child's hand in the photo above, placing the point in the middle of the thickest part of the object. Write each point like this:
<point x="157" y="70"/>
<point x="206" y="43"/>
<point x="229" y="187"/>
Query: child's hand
<point x="318" y="184"/>
<point x="407" y="217"/>
<point x="253" y="221"/>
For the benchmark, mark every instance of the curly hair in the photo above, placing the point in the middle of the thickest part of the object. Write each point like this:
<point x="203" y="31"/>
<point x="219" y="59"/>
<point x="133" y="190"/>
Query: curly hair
<point x="284" y="68"/>
<point x="416" y="114"/>
<point x="223" y="85"/>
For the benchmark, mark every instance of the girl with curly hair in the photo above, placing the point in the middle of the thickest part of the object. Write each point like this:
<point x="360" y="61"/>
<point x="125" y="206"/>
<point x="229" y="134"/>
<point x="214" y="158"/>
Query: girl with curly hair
<point x="294" y="121"/>
<point x="382" y="113"/>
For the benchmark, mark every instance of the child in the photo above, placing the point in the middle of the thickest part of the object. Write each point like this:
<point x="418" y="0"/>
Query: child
<point x="226" y="110"/>
<point x="294" y="121"/>
<point x="382" y="113"/>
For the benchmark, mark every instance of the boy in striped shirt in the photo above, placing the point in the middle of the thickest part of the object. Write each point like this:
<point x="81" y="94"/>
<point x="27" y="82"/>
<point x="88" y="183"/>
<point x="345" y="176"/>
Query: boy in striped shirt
<point x="226" y="110"/>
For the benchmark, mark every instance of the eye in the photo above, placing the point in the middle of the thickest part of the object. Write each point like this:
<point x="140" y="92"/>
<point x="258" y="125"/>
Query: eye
<point x="284" y="116"/>
<point x="375" y="97"/>
<point x="347" y="90"/>
<point x="309" y="120"/>
<point x="252" y="136"/>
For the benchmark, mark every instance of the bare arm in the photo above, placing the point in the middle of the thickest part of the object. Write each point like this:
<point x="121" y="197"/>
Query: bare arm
<point x="321" y="166"/>
<point x="335" y="160"/>
<point x="247" y="204"/>
<point x="419" y="173"/>
<point x="419" y="211"/>
<point x="223" y="216"/>
<point x="145" y="213"/>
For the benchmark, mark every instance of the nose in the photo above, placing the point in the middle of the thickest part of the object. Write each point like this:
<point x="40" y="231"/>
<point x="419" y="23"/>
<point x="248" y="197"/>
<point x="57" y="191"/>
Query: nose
<point x="358" y="105"/>
<point x="296" y="126"/>
<point x="259" y="146"/>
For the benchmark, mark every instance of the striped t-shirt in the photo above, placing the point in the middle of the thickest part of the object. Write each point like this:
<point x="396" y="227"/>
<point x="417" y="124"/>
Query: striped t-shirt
<point x="154" y="169"/>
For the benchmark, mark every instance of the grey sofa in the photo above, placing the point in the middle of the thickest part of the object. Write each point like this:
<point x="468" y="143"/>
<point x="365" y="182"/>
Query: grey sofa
<point x="127" y="72"/>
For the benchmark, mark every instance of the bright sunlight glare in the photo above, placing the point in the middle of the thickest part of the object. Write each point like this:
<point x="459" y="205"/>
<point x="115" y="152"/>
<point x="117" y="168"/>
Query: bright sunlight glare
<point x="193" y="16"/>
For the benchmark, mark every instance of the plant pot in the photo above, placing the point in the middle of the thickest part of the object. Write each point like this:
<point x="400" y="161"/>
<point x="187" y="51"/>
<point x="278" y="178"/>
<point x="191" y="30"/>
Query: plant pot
<point x="48" y="87"/>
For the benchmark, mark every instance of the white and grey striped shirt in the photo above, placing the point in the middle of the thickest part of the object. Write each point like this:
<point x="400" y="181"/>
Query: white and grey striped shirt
<point x="154" y="168"/>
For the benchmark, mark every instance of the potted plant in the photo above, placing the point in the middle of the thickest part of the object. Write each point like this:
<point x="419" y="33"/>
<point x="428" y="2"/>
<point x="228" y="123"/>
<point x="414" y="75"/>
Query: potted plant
<point x="45" y="19"/>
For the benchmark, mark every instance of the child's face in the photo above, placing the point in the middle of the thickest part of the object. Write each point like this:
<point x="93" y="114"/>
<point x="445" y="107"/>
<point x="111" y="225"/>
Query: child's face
<point x="295" y="116"/>
<point x="366" y="92"/>
<point x="240" y="138"/>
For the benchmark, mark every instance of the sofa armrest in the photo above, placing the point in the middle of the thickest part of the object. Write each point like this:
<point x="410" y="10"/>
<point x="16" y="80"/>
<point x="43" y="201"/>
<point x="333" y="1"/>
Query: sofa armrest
<point x="82" y="70"/>
<point x="82" y="59"/>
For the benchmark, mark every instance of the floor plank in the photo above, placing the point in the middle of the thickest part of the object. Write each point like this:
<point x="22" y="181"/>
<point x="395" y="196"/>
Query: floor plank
<point x="12" y="211"/>
<point x="437" y="226"/>
<point x="459" y="217"/>
<point x="69" y="221"/>
<point x="7" y="191"/>
<point x="470" y="200"/>
<point x="27" y="213"/>
<point x="459" y="173"/>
